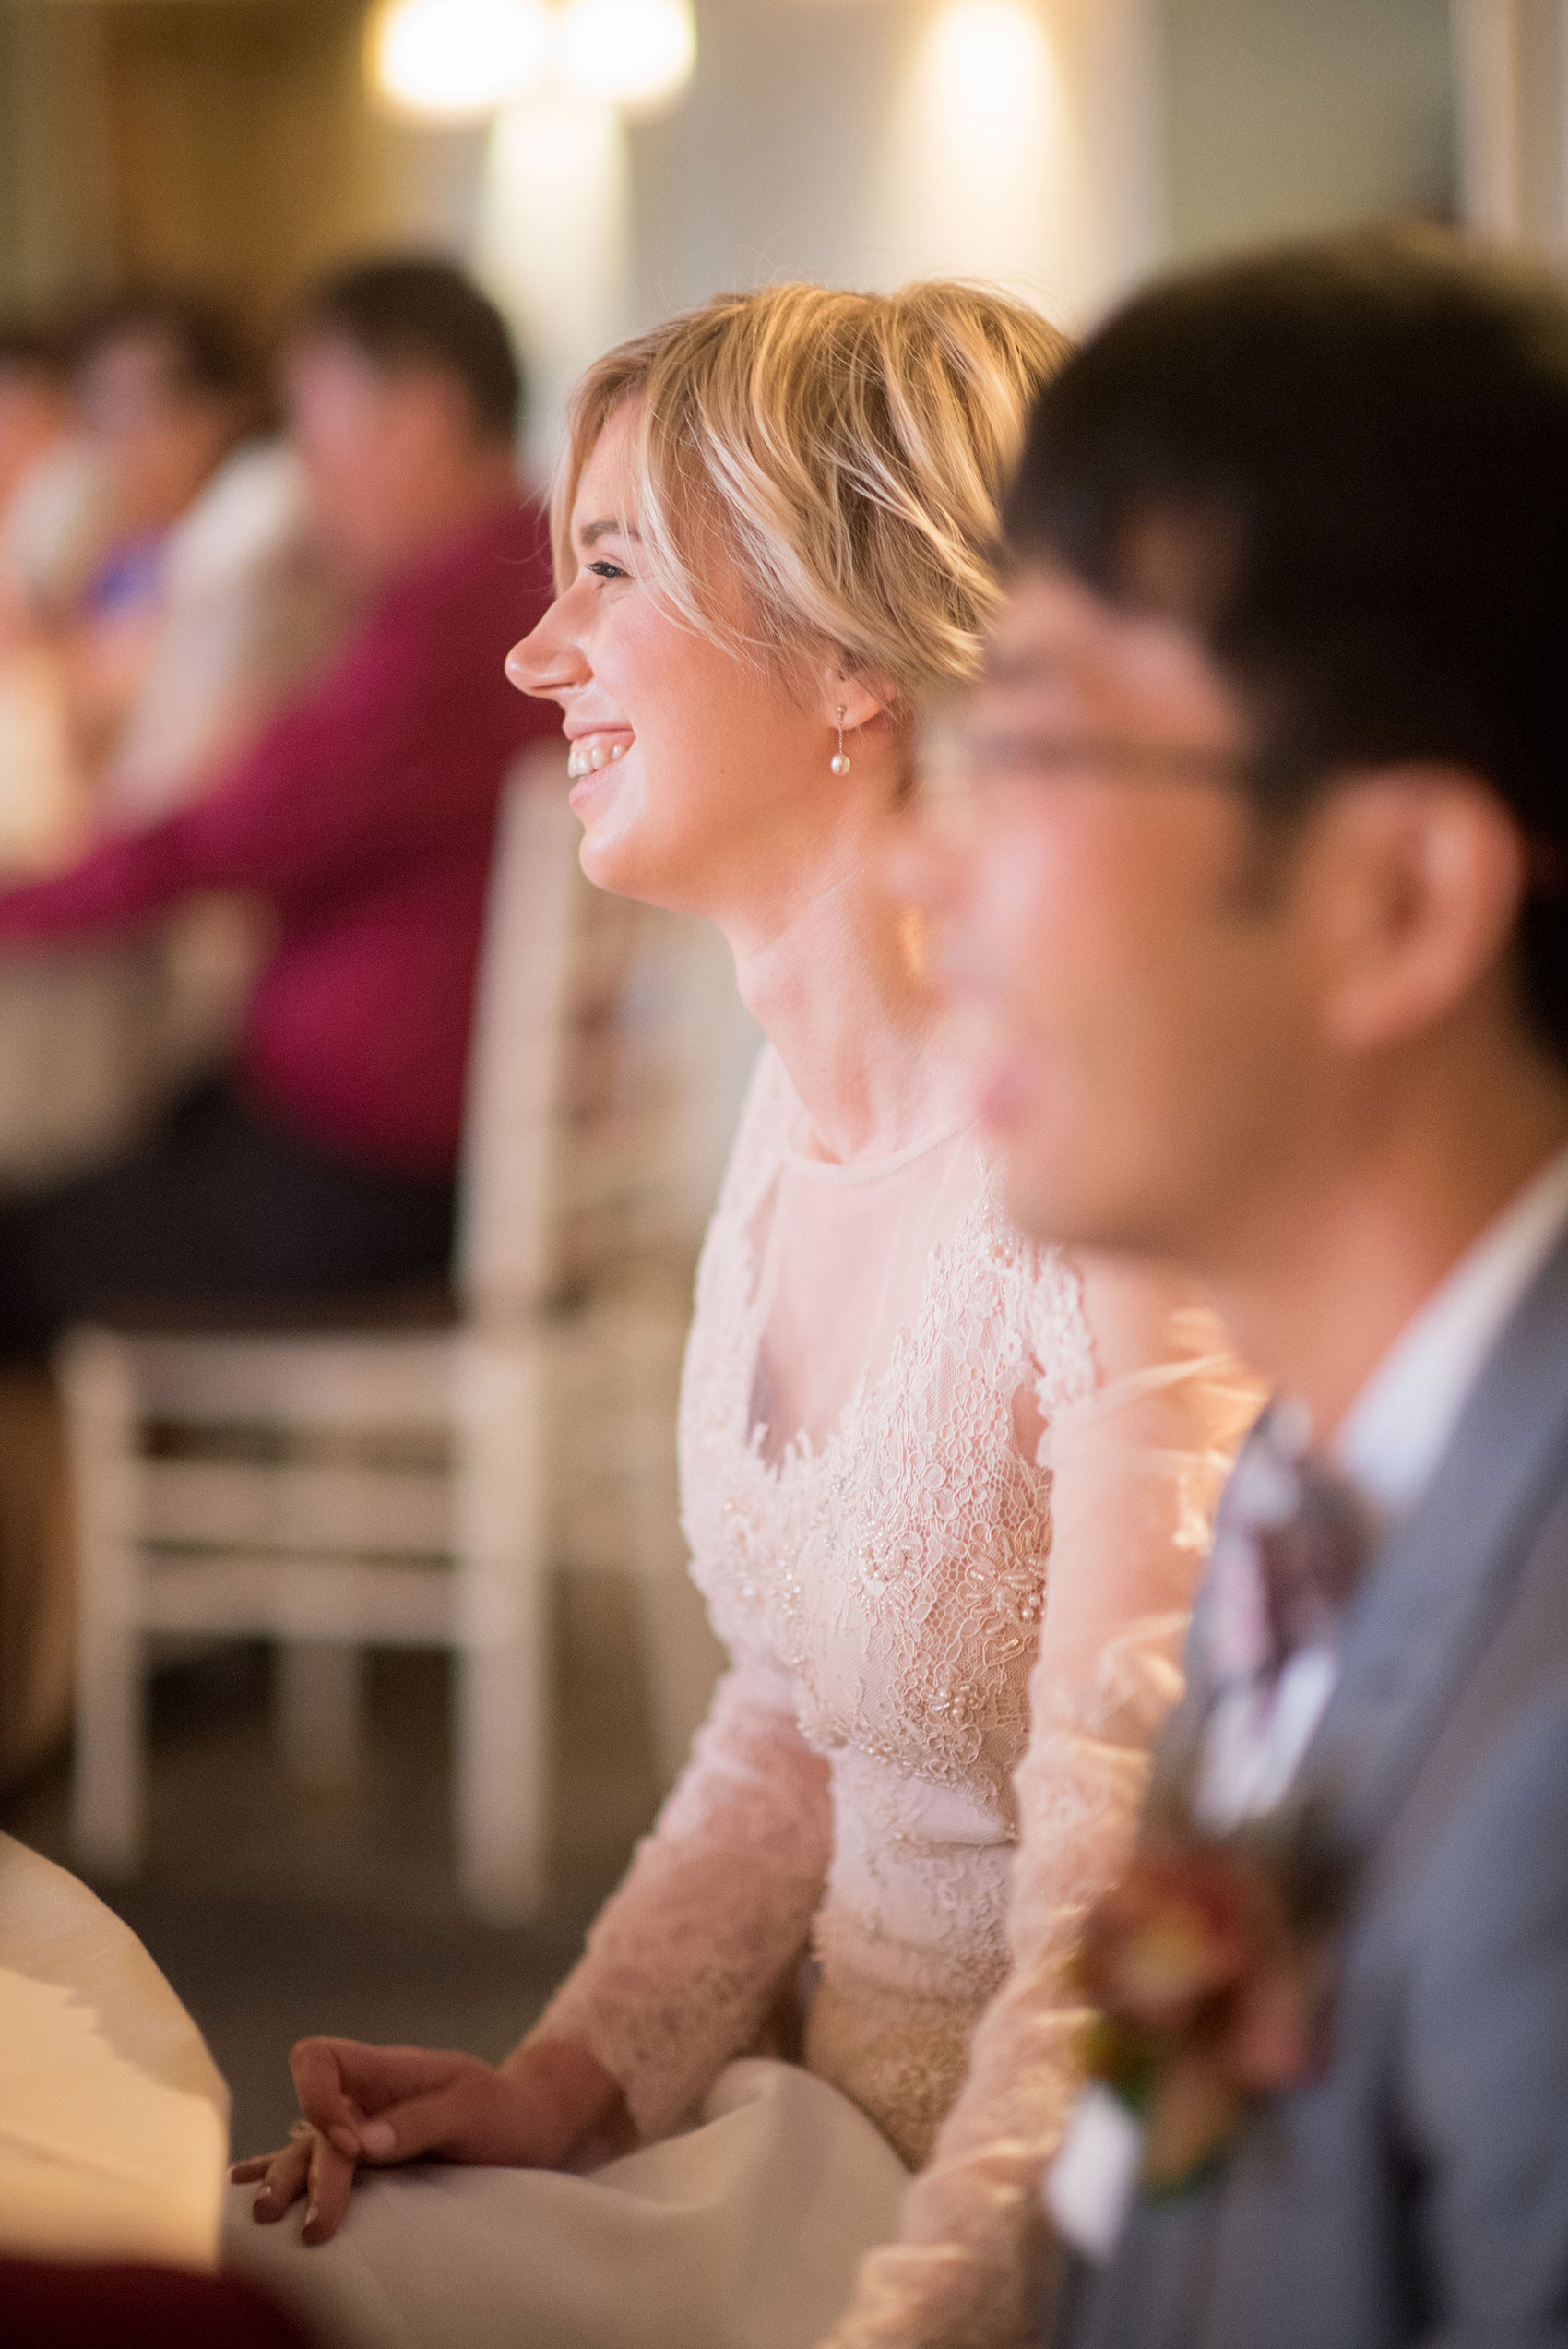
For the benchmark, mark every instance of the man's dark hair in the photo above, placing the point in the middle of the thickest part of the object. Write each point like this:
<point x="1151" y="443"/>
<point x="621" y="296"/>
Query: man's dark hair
<point x="206" y="350"/>
<point x="1344" y="464"/>
<point x="409" y="314"/>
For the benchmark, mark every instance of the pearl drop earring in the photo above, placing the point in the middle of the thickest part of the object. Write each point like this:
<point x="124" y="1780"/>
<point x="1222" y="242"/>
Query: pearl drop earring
<point x="839" y="763"/>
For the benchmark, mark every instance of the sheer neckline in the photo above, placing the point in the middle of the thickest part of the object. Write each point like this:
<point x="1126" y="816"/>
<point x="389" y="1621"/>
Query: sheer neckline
<point x="871" y="1170"/>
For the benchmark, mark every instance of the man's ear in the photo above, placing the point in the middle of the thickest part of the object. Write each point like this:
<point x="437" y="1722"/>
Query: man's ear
<point x="1418" y="872"/>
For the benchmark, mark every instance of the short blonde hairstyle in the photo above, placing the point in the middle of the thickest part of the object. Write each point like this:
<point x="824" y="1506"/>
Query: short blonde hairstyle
<point x="846" y="451"/>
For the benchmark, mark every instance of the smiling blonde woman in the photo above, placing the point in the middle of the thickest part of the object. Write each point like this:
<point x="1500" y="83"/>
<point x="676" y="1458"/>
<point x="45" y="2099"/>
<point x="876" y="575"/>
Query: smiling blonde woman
<point x="909" y="1439"/>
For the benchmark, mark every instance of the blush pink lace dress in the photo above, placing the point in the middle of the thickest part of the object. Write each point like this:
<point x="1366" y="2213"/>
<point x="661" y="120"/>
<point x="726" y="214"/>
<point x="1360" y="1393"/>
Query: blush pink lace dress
<point x="889" y="1395"/>
<point x="920" y="1468"/>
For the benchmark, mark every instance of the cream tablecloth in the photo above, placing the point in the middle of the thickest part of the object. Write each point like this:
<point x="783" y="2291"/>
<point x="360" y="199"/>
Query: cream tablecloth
<point x="113" y="2118"/>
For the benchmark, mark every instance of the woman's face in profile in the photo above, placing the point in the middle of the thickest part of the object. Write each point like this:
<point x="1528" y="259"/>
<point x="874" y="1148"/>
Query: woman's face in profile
<point x="699" y="778"/>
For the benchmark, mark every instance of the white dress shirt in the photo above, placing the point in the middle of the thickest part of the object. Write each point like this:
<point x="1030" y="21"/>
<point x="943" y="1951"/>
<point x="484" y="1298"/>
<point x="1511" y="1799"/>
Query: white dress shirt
<point x="1398" y="1428"/>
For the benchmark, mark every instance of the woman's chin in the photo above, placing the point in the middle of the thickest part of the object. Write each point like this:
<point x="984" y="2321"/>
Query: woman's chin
<point x="613" y="861"/>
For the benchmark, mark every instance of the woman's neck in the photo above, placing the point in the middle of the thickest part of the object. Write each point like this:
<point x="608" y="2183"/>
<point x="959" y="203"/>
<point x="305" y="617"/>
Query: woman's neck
<point x="834" y="979"/>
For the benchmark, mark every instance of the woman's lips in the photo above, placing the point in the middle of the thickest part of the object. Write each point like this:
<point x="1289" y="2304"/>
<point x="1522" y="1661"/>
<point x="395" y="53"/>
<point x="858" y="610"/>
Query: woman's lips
<point x="589" y="753"/>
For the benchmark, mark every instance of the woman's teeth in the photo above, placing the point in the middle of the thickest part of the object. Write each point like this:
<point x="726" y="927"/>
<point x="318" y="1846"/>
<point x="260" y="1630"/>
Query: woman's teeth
<point x="591" y="751"/>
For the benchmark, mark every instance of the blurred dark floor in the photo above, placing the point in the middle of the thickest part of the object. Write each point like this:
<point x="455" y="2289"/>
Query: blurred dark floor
<point x="276" y="1910"/>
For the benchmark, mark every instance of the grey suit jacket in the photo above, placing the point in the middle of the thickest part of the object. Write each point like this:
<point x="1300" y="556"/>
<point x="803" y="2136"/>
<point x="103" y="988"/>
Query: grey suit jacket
<point x="1418" y="2190"/>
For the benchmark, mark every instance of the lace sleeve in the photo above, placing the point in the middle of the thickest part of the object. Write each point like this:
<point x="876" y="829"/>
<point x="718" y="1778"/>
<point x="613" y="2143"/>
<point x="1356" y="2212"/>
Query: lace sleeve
<point x="1137" y="1466"/>
<point x="687" y="1957"/>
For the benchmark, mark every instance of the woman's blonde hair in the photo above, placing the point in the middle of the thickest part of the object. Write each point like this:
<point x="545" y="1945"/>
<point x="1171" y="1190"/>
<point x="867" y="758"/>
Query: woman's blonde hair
<point x="846" y="451"/>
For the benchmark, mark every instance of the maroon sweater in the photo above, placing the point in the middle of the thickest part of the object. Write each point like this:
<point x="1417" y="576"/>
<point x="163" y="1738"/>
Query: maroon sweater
<point x="365" y="815"/>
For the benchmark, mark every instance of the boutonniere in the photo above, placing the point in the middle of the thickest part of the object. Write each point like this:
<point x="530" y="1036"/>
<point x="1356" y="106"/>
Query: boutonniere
<point x="1209" y="1968"/>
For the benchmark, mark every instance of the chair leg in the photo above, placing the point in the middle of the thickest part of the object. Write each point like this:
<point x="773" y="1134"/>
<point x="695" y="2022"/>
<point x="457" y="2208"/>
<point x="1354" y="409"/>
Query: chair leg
<point x="504" y="1709"/>
<point x="106" y="1789"/>
<point x="318" y="1704"/>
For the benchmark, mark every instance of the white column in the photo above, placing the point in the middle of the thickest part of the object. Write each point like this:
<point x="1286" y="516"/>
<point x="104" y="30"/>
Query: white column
<point x="1511" y="66"/>
<point x="1486" y="55"/>
<point x="550" y="241"/>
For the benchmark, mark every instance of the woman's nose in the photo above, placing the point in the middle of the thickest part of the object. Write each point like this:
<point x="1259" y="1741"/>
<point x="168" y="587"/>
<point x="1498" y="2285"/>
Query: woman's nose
<point x="547" y="661"/>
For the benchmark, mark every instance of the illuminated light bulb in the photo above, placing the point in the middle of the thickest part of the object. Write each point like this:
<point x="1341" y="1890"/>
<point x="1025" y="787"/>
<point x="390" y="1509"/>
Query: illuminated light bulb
<point x="991" y="58"/>
<point x="633" y="54"/>
<point x="457" y="60"/>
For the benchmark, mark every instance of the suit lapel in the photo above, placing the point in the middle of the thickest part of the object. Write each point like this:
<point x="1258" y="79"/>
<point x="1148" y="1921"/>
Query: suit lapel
<point x="1434" y="1593"/>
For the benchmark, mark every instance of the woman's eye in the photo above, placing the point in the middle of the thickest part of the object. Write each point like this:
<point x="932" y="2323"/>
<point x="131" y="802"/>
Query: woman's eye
<point x="605" y="569"/>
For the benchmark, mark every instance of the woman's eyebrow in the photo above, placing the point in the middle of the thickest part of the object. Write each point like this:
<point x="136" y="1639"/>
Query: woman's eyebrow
<point x="591" y="532"/>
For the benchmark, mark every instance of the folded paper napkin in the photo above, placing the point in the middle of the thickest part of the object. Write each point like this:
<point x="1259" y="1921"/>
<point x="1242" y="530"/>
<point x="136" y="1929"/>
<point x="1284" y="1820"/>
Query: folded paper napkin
<point x="113" y="2120"/>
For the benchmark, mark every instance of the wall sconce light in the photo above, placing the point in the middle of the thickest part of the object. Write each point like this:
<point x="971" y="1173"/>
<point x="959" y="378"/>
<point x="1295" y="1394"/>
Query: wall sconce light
<point x="633" y="53"/>
<point x="456" y="60"/>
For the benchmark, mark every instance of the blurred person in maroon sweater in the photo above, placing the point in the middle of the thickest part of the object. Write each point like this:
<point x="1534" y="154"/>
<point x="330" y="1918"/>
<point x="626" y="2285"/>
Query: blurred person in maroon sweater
<point x="322" y="1167"/>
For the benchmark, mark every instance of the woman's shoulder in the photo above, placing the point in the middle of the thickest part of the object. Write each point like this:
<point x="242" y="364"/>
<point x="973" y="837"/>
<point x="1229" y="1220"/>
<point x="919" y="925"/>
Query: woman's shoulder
<point x="1040" y="1287"/>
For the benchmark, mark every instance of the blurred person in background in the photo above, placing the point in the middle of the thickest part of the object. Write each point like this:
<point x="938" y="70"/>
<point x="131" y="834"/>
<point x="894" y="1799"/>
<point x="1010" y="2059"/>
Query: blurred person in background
<point x="53" y="505"/>
<point x="54" y="500"/>
<point x="220" y="593"/>
<point x="164" y="393"/>
<point x="921" y="1458"/>
<point x="1264" y="925"/>
<point x="37" y="428"/>
<point x="321" y="1166"/>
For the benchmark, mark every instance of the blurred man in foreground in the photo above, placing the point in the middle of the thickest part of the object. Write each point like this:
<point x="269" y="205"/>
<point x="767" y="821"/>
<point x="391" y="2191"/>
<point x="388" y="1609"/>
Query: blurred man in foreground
<point x="322" y="1166"/>
<point x="1265" y="927"/>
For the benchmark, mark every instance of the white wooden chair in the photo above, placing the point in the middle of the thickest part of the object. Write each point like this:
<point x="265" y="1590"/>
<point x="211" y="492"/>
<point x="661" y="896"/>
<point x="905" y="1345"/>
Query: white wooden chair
<point x="407" y="1484"/>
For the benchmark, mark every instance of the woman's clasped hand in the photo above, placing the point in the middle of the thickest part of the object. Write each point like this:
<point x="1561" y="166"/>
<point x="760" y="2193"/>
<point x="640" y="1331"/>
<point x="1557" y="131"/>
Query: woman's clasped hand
<point x="382" y="2105"/>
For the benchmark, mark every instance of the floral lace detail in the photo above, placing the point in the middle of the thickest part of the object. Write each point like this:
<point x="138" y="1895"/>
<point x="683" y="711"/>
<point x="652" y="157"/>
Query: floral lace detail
<point x="917" y="1528"/>
<point x="1141" y="1467"/>
<point x="891" y="1577"/>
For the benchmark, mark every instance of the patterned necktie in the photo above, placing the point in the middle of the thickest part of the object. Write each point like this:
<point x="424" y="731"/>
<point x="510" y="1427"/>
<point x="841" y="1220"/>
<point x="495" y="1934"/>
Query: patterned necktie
<point x="1290" y="1543"/>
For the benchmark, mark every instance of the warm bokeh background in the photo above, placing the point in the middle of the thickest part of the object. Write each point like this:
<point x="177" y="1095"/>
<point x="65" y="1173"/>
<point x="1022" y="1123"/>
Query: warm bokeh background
<point x="861" y="141"/>
<point x="238" y="146"/>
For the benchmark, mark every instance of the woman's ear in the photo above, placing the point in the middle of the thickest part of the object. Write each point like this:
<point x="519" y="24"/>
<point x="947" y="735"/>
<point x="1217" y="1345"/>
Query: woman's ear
<point x="1420" y="882"/>
<point x="860" y="699"/>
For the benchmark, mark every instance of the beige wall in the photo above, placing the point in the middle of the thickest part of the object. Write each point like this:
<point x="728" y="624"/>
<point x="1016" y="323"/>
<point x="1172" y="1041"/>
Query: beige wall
<point x="1289" y="116"/>
<point x="231" y="140"/>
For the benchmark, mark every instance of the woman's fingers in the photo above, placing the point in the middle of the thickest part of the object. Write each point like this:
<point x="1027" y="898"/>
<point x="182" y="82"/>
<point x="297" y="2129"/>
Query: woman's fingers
<point x="324" y="2100"/>
<point x="328" y="2182"/>
<point x="308" y="2166"/>
<point x="477" y="2115"/>
<point x="283" y="2179"/>
<point x="339" y="2081"/>
<point x="428" y="2123"/>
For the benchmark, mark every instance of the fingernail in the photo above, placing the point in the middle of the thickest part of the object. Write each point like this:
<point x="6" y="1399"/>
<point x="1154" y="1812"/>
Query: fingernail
<point x="346" y="2142"/>
<point x="311" y="2213"/>
<point x="378" y="2137"/>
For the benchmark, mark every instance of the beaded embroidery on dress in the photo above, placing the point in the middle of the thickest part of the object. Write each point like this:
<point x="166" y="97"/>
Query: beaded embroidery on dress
<point x="873" y="1352"/>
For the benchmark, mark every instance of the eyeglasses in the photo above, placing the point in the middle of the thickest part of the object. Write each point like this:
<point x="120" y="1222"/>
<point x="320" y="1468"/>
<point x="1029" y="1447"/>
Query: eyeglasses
<point x="972" y="768"/>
